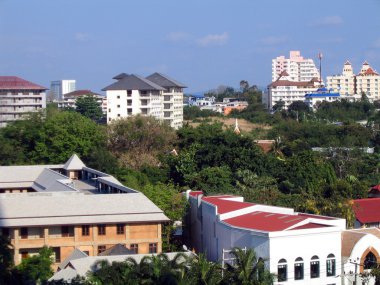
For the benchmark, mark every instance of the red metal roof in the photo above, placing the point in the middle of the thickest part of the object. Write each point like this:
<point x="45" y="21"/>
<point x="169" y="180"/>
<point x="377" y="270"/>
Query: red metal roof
<point x="367" y="210"/>
<point x="310" y="226"/>
<point x="225" y="206"/>
<point x="17" y="83"/>
<point x="195" y="193"/>
<point x="265" y="221"/>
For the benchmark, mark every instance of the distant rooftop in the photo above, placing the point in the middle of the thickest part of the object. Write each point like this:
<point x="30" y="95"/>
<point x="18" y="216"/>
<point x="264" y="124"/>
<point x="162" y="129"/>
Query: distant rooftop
<point x="17" y="83"/>
<point x="133" y="82"/>
<point x="164" y="80"/>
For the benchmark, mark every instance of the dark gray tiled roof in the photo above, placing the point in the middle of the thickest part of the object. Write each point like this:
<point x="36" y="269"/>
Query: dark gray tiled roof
<point x="120" y="76"/>
<point x="164" y="81"/>
<point x="117" y="249"/>
<point x="133" y="82"/>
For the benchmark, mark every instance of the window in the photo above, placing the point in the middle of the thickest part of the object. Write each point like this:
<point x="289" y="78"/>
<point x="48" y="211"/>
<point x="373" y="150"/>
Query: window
<point x="120" y="229"/>
<point x="65" y="231"/>
<point x="101" y="248"/>
<point x="118" y="96"/>
<point x="5" y="232"/>
<point x="134" y="247"/>
<point x="370" y="261"/>
<point x="109" y="110"/>
<point x="153" y="248"/>
<point x="129" y="92"/>
<point x="101" y="230"/>
<point x="298" y="269"/>
<point x="118" y="106"/>
<point x="314" y="267"/>
<point x="330" y="265"/>
<point x="24" y="232"/>
<point x="24" y="254"/>
<point x="85" y="230"/>
<point x="86" y="252"/>
<point x="282" y="270"/>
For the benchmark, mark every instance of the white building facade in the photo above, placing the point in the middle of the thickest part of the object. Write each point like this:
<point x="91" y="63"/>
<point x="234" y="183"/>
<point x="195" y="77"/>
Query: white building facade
<point x="18" y="97"/>
<point x="287" y="91"/>
<point x="298" y="67"/>
<point x="59" y="88"/>
<point x="298" y="248"/>
<point x="367" y="82"/>
<point x="132" y="95"/>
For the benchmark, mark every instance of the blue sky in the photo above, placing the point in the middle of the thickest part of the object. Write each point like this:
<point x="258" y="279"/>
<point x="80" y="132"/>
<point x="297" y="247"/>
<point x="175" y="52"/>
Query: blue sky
<point x="202" y="43"/>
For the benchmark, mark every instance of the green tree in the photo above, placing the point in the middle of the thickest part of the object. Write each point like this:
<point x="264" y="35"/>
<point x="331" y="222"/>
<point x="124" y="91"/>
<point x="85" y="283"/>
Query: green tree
<point x="37" y="268"/>
<point x="139" y="141"/>
<point x="6" y="260"/>
<point x="247" y="269"/>
<point x="88" y="106"/>
<point x="204" y="272"/>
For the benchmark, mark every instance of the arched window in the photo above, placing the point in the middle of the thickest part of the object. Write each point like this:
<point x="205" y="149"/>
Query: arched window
<point x="298" y="269"/>
<point x="330" y="265"/>
<point x="370" y="261"/>
<point x="314" y="267"/>
<point x="282" y="272"/>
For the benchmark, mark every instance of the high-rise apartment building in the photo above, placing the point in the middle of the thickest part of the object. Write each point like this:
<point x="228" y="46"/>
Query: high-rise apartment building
<point x="157" y="95"/>
<point x="59" y="88"/>
<point x="350" y="84"/>
<point x="19" y="97"/>
<point x="299" y="68"/>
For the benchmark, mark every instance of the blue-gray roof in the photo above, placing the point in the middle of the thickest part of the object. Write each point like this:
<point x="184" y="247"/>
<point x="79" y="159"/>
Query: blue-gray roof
<point x="133" y="82"/>
<point x="164" y="80"/>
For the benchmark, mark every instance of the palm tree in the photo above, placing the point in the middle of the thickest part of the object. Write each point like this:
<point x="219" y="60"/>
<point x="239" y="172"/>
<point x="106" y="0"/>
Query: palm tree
<point x="247" y="269"/>
<point x="117" y="273"/>
<point x="204" y="272"/>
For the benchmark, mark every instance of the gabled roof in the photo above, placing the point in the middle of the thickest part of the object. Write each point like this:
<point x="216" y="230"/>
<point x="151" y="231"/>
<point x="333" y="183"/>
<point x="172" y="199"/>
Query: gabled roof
<point x="367" y="210"/>
<point x="133" y="82"/>
<point x="76" y="254"/>
<point x="74" y="163"/>
<point x="83" y="92"/>
<point x="347" y="62"/>
<point x="120" y="76"/>
<point x="117" y="249"/>
<point x="164" y="80"/>
<point x="17" y="83"/>
<point x="280" y="82"/>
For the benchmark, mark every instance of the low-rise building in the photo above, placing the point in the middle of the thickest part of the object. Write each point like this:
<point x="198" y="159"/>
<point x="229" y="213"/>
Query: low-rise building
<point x="19" y="97"/>
<point x="287" y="91"/>
<point x="321" y="95"/>
<point x="299" y="248"/>
<point x="71" y="98"/>
<point x="70" y="206"/>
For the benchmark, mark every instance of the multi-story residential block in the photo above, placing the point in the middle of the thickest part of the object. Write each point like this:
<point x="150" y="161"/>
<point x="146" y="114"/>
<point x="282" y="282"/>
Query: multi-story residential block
<point x="299" y="248"/>
<point x="298" y="68"/>
<point x="349" y="84"/>
<point x="132" y="94"/>
<point x="19" y="97"/>
<point x="172" y="99"/>
<point x="71" y="98"/>
<point x="288" y="91"/>
<point x="59" y="88"/>
<point x="70" y="206"/>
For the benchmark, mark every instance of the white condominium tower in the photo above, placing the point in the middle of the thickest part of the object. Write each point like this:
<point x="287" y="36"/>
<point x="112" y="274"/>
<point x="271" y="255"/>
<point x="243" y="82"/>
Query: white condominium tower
<point x="157" y="95"/>
<point x="59" y="88"/>
<point x="299" y="69"/>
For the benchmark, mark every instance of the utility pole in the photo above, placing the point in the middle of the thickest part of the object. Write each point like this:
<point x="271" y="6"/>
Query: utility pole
<point x="320" y="68"/>
<point x="356" y="269"/>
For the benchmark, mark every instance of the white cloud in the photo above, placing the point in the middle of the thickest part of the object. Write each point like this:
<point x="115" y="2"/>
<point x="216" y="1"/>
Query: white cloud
<point x="177" y="36"/>
<point x="273" y="40"/>
<point x="328" y="21"/>
<point x="213" y="39"/>
<point x="81" y="37"/>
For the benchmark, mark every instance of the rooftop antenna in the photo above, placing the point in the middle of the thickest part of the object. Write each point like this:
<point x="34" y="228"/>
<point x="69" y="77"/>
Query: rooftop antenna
<point x="320" y="55"/>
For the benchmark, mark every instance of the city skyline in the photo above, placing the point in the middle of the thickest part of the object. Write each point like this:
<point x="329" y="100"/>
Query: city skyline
<point x="202" y="44"/>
